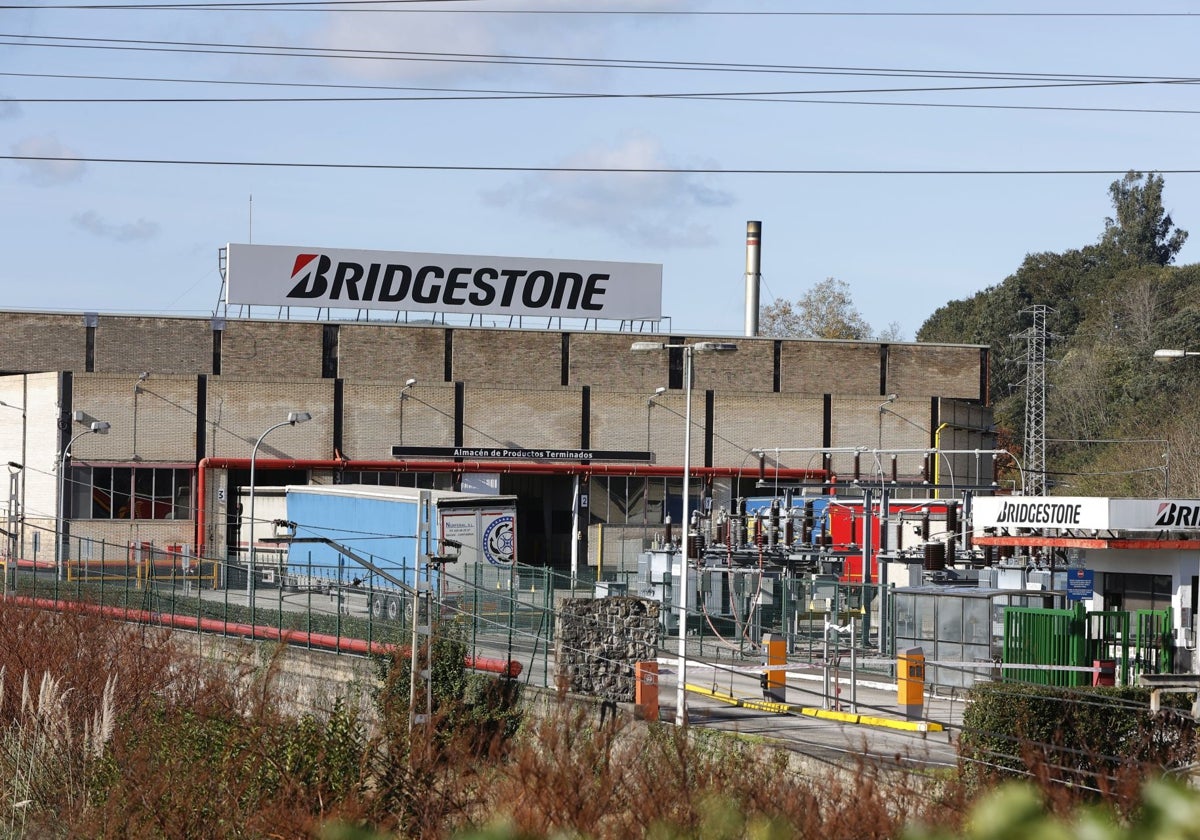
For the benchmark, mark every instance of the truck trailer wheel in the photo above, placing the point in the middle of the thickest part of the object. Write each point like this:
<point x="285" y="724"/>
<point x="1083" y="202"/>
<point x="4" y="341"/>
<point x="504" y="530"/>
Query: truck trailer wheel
<point x="377" y="607"/>
<point x="394" y="609"/>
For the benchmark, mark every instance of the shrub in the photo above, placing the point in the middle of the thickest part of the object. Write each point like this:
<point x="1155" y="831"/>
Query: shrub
<point x="1089" y="737"/>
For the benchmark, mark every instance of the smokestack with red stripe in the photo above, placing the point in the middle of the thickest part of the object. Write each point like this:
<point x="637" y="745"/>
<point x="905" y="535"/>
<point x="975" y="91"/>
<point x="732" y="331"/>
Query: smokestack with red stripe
<point x="753" y="275"/>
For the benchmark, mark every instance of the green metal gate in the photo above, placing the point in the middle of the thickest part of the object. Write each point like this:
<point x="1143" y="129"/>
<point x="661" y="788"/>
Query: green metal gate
<point x="1155" y="645"/>
<point x="1109" y="640"/>
<point x="1045" y="637"/>
<point x="1066" y="639"/>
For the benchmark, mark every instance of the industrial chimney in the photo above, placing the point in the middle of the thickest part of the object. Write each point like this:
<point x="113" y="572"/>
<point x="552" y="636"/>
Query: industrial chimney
<point x="753" y="275"/>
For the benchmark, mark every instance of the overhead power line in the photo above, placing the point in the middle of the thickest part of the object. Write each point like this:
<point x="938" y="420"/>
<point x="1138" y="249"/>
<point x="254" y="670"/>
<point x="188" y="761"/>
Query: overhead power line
<point x="406" y="6"/>
<point x="350" y="53"/>
<point x="475" y="94"/>
<point x="798" y="70"/>
<point x="586" y="170"/>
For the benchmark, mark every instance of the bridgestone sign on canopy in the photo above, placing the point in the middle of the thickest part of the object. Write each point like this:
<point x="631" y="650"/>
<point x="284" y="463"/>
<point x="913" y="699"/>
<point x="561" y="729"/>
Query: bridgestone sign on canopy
<point x="1090" y="513"/>
<point x="279" y="275"/>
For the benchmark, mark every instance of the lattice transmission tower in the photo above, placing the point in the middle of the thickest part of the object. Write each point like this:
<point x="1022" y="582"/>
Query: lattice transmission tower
<point x="1036" y="337"/>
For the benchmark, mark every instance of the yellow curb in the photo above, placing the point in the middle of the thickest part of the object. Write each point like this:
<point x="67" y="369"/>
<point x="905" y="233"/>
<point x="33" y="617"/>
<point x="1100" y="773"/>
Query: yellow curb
<point x="826" y="714"/>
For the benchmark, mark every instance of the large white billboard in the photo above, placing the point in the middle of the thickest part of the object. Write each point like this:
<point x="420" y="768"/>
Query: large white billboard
<point x="281" y="275"/>
<point x="1062" y="512"/>
<point x="1091" y="513"/>
<point x="1156" y="514"/>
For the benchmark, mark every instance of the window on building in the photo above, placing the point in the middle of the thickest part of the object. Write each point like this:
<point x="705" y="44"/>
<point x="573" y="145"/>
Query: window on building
<point x="1132" y="592"/>
<point x="131" y="492"/>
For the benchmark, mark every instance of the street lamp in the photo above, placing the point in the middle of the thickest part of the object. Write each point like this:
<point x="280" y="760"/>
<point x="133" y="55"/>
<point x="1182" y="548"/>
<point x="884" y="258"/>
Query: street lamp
<point x="1172" y="355"/>
<point x="658" y="392"/>
<point x="18" y="537"/>
<point x="688" y="351"/>
<point x="883" y="408"/>
<point x="407" y="385"/>
<point x="95" y="427"/>
<point x="293" y="418"/>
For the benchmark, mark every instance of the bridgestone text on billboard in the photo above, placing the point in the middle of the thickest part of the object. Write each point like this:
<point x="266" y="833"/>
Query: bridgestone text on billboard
<point x="278" y="275"/>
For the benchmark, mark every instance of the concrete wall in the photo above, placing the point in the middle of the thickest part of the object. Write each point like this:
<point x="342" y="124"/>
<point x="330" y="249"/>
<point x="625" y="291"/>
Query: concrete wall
<point x="523" y="418"/>
<point x="946" y="371"/>
<point x="387" y="352"/>
<point x="130" y="344"/>
<point x="34" y="341"/>
<point x="125" y="344"/>
<point x="240" y="410"/>
<point x="268" y="348"/>
<point x="507" y="357"/>
<point x="308" y="682"/>
<point x="830" y="367"/>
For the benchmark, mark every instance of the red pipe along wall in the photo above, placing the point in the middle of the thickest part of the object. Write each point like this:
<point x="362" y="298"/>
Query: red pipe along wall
<point x="504" y="467"/>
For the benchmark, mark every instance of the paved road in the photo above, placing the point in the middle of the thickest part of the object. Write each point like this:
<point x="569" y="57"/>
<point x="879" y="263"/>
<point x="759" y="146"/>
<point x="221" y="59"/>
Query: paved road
<point x="826" y="739"/>
<point x="840" y="738"/>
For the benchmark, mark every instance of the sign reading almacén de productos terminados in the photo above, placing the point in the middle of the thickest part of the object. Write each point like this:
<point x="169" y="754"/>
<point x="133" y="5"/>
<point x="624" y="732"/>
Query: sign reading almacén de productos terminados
<point x="279" y="275"/>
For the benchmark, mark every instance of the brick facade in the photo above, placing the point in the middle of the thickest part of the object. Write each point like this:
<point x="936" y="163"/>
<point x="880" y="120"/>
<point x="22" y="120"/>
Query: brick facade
<point x="214" y="385"/>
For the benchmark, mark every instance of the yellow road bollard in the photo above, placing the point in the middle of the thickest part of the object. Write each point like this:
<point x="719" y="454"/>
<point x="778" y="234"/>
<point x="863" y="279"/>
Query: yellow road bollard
<point x="910" y="682"/>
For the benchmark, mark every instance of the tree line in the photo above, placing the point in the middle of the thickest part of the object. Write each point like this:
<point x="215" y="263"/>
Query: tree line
<point x="1117" y="423"/>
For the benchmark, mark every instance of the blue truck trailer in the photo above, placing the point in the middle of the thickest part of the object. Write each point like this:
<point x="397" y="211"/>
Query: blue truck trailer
<point x="365" y="541"/>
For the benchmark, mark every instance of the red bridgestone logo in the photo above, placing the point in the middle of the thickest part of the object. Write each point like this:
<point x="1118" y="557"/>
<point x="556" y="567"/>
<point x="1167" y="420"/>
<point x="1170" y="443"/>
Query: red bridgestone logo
<point x="302" y="261"/>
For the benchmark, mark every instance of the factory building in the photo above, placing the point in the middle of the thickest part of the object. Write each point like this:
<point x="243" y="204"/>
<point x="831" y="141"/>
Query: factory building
<point x="185" y="401"/>
<point x="123" y="432"/>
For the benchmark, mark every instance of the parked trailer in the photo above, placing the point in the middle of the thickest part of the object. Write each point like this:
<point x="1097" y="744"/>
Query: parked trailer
<point x="364" y="540"/>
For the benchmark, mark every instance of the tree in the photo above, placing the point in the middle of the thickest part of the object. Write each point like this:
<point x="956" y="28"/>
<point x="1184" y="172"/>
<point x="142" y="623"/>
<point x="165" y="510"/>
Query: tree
<point x="824" y="311"/>
<point x="1141" y="231"/>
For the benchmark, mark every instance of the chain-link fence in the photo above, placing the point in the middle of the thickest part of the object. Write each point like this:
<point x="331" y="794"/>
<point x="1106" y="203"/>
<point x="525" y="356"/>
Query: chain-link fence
<point x="508" y="613"/>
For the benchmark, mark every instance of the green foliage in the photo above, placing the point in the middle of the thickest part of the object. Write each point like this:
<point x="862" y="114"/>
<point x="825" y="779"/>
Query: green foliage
<point x="825" y="311"/>
<point x="1082" y="736"/>
<point x="1141" y="232"/>
<point x="325" y="756"/>
<point x="485" y="706"/>
<point x="1018" y="812"/>
<point x="1112" y="304"/>
<point x="997" y="316"/>
<point x="221" y="761"/>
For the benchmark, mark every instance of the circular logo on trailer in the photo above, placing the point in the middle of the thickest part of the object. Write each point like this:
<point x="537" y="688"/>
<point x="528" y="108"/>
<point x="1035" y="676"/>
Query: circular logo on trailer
<point x="498" y="541"/>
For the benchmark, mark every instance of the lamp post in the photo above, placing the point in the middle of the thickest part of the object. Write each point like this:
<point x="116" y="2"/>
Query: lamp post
<point x="97" y="427"/>
<point x="688" y="351"/>
<point x="18" y="538"/>
<point x="883" y="408"/>
<point x="293" y="418"/>
<point x="1167" y="355"/>
<point x="658" y="392"/>
<point x="407" y="385"/>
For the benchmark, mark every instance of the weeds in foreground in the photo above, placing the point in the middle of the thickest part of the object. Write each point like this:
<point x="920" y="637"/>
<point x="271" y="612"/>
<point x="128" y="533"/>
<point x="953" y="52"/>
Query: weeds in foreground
<point x="147" y="742"/>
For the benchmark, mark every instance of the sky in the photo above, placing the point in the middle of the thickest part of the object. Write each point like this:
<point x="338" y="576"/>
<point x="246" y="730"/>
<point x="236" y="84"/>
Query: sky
<point x="913" y="149"/>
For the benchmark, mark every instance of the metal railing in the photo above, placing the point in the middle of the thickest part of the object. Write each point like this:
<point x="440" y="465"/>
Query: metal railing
<point x="506" y="612"/>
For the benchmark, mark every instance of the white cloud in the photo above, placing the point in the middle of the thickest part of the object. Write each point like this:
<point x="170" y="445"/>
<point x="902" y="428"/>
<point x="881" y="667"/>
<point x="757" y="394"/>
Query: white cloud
<point x="643" y="208"/>
<point x="138" y="231"/>
<point x="478" y="34"/>
<point x="61" y="168"/>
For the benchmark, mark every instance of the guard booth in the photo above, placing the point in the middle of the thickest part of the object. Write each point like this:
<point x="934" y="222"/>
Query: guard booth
<point x="1137" y="556"/>
<point x="960" y="628"/>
